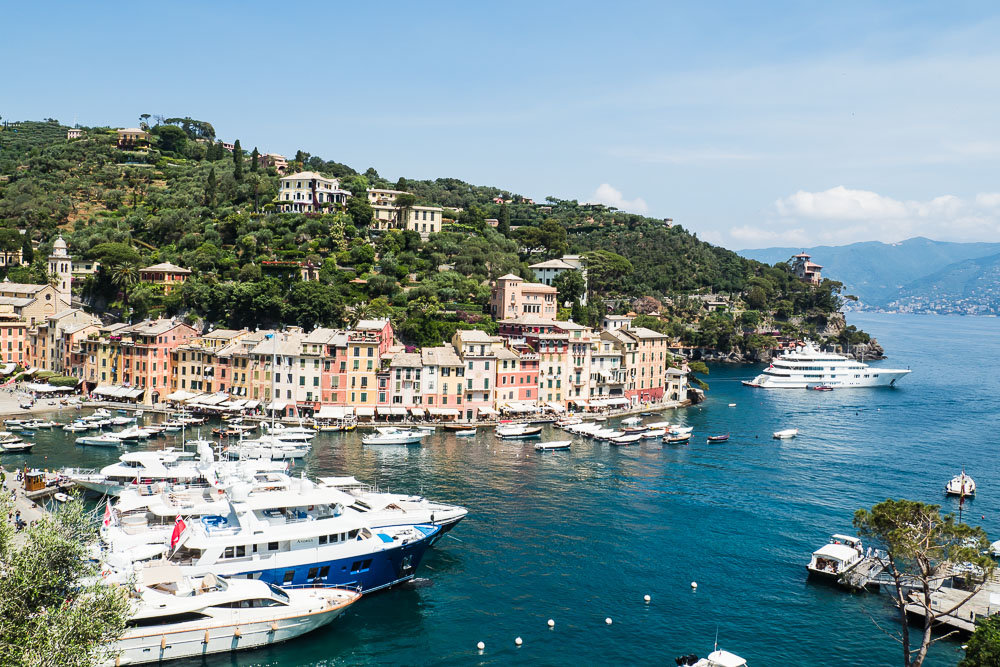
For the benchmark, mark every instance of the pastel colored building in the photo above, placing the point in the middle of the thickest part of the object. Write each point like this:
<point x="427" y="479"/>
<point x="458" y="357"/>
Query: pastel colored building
<point x="806" y="269"/>
<point x="309" y="192"/>
<point x="166" y="275"/>
<point x="511" y="297"/>
<point x="548" y="271"/>
<point x="477" y="353"/>
<point x="443" y="385"/>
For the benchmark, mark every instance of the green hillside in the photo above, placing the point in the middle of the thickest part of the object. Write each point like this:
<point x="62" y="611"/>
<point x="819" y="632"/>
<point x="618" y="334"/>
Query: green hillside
<point x="188" y="201"/>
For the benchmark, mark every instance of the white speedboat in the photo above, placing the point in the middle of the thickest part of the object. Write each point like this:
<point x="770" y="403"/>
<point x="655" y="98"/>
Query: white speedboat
<point x="607" y="434"/>
<point x="801" y="368"/>
<point x="16" y="446"/>
<point x="568" y="421"/>
<point x="465" y="433"/>
<point x="122" y="421"/>
<point x="553" y="445"/>
<point x="133" y="433"/>
<point x="653" y="433"/>
<point x="785" y="434"/>
<point x="77" y="427"/>
<point x="627" y="439"/>
<point x="961" y="485"/>
<point x="174" y="616"/>
<point x="390" y="435"/>
<point x="842" y="554"/>
<point x="631" y="421"/>
<point x="518" y="431"/>
<point x="717" y="658"/>
<point x="38" y="423"/>
<point x="102" y="440"/>
<point x="677" y="429"/>
<point x="290" y="433"/>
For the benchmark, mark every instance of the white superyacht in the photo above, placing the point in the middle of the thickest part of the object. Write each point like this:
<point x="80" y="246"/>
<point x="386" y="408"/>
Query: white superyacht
<point x="809" y="367"/>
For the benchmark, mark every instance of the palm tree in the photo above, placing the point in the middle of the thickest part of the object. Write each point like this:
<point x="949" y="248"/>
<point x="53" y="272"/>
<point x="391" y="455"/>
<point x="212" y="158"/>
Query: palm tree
<point x="124" y="276"/>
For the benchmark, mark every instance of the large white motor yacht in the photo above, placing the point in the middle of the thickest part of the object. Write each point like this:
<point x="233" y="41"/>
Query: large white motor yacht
<point x="187" y="617"/>
<point x="808" y="366"/>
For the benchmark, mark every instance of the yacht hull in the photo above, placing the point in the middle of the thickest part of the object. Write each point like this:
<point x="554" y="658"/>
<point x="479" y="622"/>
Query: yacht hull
<point x="369" y="572"/>
<point x="241" y="632"/>
<point x="883" y="378"/>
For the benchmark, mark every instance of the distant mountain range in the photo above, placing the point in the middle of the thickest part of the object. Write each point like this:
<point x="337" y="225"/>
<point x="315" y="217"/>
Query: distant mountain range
<point x="916" y="275"/>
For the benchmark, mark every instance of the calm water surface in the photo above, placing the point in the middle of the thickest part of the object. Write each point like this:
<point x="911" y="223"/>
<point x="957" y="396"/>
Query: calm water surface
<point x="582" y="535"/>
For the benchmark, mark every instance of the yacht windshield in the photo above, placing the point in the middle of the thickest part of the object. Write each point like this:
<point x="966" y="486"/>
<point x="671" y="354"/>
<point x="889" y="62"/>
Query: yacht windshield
<point x="278" y="593"/>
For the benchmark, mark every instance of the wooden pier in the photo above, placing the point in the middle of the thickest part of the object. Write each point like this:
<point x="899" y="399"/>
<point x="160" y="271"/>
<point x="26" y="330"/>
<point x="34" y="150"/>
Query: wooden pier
<point x="986" y="602"/>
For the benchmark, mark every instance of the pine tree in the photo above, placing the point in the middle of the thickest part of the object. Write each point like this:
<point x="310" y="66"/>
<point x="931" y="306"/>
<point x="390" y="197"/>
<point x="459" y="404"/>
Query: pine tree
<point x="210" y="187"/>
<point x="237" y="161"/>
<point x="254" y="159"/>
<point x="503" y="224"/>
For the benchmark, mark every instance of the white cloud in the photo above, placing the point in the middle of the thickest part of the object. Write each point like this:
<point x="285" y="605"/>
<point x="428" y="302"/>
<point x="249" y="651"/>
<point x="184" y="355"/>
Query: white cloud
<point x="610" y="196"/>
<point x="842" y="215"/>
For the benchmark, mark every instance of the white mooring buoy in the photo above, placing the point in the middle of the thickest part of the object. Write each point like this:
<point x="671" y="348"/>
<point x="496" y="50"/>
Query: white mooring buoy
<point x="608" y="620"/>
<point x="552" y="623"/>
<point x="517" y="641"/>
<point x="694" y="585"/>
<point x="480" y="646"/>
<point x="646" y="598"/>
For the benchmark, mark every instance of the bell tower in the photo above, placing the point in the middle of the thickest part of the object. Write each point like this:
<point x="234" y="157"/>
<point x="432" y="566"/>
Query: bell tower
<point x="61" y="266"/>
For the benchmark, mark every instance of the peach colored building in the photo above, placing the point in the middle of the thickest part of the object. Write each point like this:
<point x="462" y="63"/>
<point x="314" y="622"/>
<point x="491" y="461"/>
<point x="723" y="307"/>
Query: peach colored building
<point x="511" y="297"/>
<point x="139" y="359"/>
<point x="645" y="358"/>
<point x="517" y="376"/>
<point x="476" y="349"/>
<point x="169" y="276"/>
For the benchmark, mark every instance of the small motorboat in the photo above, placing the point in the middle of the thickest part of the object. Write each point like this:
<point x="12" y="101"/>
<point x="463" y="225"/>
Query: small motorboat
<point x="465" y="433"/>
<point x="103" y="440"/>
<point x="552" y="445"/>
<point x="677" y="429"/>
<point x="61" y="497"/>
<point x="785" y="434"/>
<point x="679" y="439"/>
<point x="607" y="434"/>
<point x="627" y="439"/>
<point x="717" y="658"/>
<point x="821" y="387"/>
<point x="960" y="485"/>
<point x="518" y="431"/>
<point x="631" y="421"/>
<point x="732" y="405"/>
<point x="635" y="429"/>
<point x="841" y="554"/>
<point x="27" y="434"/>
<point x="18" y="447"/>
<point x="653" y="433"/>
<point x="390" y="435"/>
<point x="569" y="421"/>
<point x="718" y="438"/>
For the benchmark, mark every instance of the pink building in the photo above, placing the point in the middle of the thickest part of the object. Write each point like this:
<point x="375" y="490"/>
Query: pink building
<point x="511" y="298"/>
<point x="517" y="376"/>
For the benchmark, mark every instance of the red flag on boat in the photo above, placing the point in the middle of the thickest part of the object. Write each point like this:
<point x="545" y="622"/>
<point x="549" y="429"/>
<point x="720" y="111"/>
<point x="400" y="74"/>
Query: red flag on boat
<point x="179" y="527"/>
<point x="107" y="513"/>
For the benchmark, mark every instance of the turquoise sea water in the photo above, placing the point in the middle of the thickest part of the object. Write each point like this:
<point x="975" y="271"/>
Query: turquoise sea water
<point x="582" y="535"/>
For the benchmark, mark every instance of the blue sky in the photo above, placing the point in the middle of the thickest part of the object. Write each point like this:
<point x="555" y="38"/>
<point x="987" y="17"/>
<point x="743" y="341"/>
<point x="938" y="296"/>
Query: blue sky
<point x="778" y="124"/>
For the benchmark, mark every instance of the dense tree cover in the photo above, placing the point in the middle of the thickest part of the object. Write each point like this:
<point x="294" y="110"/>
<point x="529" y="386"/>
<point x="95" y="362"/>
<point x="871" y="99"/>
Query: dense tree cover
<point x="54" y="608"/>
<point x="188" y="201"/>
<point x="983" y="647"/>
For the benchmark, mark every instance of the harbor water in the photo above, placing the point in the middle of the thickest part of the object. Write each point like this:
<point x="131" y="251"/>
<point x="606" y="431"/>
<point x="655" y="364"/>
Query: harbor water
<point x="582" y="535"/>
